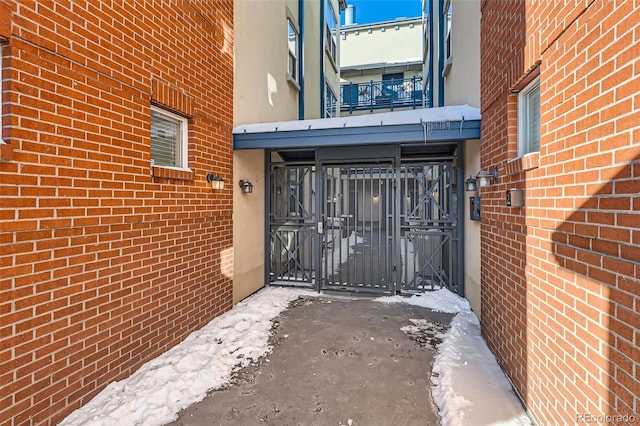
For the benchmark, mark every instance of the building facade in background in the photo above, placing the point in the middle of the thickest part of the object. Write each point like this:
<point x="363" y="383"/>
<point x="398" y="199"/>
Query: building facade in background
<point x="561" y="272"/>
<point x="114" y="247"/>
<point x="389" y="187"/>
<point x="381" y="66"/>
<point x="287" y="67"/>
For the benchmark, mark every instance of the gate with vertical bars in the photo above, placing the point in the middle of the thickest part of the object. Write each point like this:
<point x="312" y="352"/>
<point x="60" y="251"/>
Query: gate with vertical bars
<point x="379" y="227"/>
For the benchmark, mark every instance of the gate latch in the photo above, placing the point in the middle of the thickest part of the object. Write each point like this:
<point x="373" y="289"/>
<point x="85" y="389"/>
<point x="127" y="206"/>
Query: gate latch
<point x="320" y="227"/>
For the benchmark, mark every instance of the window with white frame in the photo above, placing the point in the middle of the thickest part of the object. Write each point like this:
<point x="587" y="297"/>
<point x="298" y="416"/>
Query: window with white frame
<point x="330" y="102"/>
<point x="169" y="134"/>
<point x="529" y="118"/>
<point x="448" y="9"/>
<point x="293" y="41"/>
<point x="331" y="44"/>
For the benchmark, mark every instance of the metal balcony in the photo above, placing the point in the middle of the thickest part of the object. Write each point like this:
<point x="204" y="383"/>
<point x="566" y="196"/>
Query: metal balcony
<point x="382" y="94"/>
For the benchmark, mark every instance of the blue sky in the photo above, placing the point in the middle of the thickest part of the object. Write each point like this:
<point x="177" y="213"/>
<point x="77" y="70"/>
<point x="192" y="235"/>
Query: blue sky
<point x="368" y="11"/>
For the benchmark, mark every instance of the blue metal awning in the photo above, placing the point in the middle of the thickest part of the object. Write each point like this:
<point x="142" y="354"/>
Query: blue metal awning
<point x="426" y="125"/>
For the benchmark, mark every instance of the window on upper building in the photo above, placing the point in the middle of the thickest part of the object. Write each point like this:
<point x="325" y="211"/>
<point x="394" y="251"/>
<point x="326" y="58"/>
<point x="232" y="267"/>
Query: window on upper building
<point x="330" y="102"/>
<point x="397" y="76"/>
<point x="331" y="44"/>
<point x="293" y="41"/>
<point x="169" y="134"/>
<point x="529" y="118"/>
<point x="448" y="55"/>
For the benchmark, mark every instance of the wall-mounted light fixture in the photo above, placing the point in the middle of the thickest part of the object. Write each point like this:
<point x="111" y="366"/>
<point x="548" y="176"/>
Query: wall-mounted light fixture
<point x="470" y="184"/>
<point x="484" y="178"/>
<point x="247" y="187"/>
<point x="217" y="182"/>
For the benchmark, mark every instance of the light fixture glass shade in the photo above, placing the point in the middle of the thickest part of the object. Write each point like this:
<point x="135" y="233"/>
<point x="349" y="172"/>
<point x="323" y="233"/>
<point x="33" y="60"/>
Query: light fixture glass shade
<point x="246" y="186"/>
<point x="470" y="184"/>
<point x="484" y="178"/>
<point x="217" y="182"/>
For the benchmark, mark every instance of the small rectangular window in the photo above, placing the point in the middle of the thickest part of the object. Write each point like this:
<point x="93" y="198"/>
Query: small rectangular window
<point x="330" y="102"/>
<point x="168" y="139"/>
<point x="448" y="55"/>
<point x="331" y="44"/>
<point x="293" y="41"/>
<point x="529" y="118"/>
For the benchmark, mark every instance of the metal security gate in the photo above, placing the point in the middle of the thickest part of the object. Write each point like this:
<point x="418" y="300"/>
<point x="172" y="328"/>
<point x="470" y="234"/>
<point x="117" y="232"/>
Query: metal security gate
<point x="383" y="227"/>
<point x="428" y="226"/>
<point x="357" y="242"/>
<point x="292" y="225"/>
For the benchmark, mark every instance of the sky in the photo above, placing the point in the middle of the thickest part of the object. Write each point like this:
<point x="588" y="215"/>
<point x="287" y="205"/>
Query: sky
<point x="469" y="387"/>
<point x="368" y="11"/>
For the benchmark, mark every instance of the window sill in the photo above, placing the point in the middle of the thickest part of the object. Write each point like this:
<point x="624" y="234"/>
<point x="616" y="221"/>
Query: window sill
<point x="447" y="66"/>
<point x="6" y="152"/>
<point x="171" y="173"/>
<point x="522" y="164"/>
<point x="292" y="81"/>
<point x="331" y="61"/>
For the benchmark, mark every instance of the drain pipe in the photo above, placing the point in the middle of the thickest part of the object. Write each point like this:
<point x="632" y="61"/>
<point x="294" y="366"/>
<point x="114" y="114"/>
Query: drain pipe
<point x="322" y="41"/>
<point x="461" y="215"/>
<point x="430" y="59"/>
<point x="301" y="60"/>
<point x="440" y="56"/>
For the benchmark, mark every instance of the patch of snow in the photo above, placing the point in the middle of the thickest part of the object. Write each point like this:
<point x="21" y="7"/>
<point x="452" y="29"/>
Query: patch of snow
<point x="447" y="114"/>
<point x="340" y="254"/>
<point x="441" y="300"/>
<point x="469" y="386"/>
<point x="182" y="376"/>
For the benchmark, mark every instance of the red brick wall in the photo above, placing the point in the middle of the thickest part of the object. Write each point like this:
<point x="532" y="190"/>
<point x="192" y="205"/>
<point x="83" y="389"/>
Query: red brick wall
<point x="561" y="276"/>
<point x="102" y="265"/>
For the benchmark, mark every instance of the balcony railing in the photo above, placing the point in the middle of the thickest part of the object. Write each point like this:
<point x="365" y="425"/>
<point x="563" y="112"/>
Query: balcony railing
<point x="388" y="94"/>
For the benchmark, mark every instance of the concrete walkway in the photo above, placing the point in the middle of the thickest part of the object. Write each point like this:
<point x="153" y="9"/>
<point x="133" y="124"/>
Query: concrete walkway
<point x="335" y="362"/>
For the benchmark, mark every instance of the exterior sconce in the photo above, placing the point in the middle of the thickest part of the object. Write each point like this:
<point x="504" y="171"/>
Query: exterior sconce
<point x="216" y="181"/>
<point x="470" y="184"/>
<point x="247" y="187"/>
<point x="484" y="178"/>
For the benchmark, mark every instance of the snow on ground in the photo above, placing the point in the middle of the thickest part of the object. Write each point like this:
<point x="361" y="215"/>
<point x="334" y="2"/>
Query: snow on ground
<point x="205" y="360"/>
<point x="340" y="254"/>
<point x="469" y="386"/>
<point x="441" y="300"/>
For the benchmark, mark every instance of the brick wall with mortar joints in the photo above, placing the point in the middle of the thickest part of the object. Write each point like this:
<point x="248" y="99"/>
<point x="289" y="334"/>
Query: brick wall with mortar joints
<point x="582" y="264"/>
<point x="103" y="266"/>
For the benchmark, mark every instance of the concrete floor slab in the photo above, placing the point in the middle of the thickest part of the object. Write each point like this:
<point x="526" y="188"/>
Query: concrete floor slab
<point x="335" y="361"/>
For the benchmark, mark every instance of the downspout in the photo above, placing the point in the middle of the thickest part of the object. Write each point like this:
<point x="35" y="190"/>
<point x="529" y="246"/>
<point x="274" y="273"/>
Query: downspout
<point x="301" y="60"/>
<point x="322" y="38"/>
<point x="267" y="217"/>
<point x="440" y="55"/>
<point x="430" y="59"/>
<point x="460" y="197"/>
